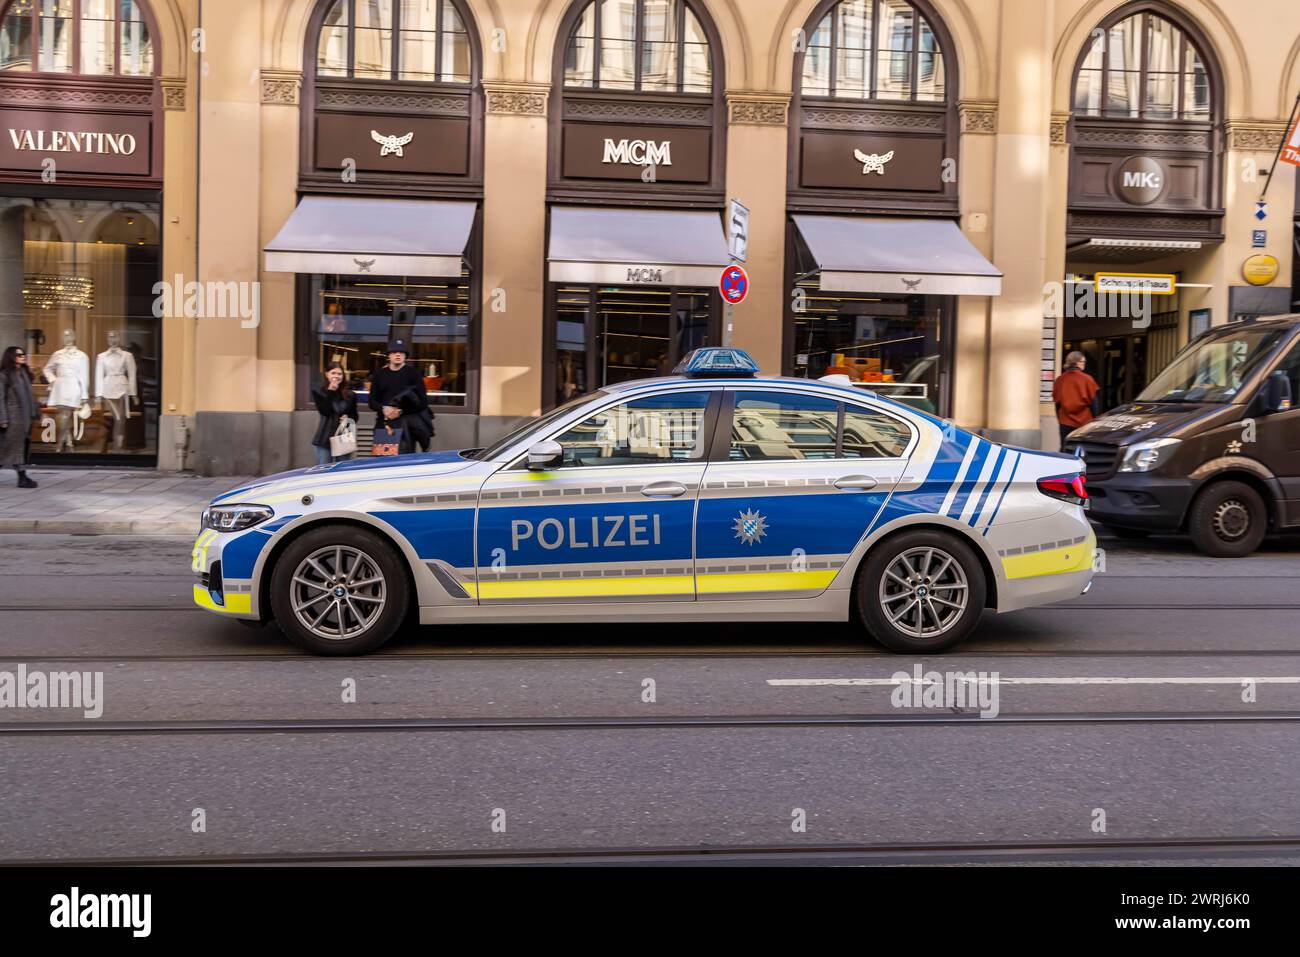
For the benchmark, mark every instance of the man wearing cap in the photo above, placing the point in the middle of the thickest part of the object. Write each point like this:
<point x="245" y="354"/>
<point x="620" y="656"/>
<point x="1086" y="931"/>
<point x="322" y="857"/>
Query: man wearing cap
<point x="398" y="397"/>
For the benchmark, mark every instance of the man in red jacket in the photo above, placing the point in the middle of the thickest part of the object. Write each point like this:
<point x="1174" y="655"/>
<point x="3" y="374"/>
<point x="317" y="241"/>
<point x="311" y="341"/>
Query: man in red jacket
<point x="1073" y="394"/>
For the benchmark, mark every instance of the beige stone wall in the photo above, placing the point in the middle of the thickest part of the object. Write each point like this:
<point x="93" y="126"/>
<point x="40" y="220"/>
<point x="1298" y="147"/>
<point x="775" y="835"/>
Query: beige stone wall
<point x="1015" y="59"/>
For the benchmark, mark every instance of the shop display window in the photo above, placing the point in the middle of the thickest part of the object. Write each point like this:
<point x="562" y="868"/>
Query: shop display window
<point x="356" y="317"/>
<point x="83" y="276"/>
<point x="889" y="344"/>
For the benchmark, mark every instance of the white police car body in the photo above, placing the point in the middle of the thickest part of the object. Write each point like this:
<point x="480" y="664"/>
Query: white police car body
<point x="712" y="495"/>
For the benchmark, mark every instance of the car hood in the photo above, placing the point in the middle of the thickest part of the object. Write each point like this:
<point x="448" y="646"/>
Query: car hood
<point x="1139" y="421"/>
<point x="429" y="463"/>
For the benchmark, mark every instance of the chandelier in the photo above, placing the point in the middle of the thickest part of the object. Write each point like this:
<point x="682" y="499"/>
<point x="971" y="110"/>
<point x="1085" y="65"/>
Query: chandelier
<point x="42" y="291"/>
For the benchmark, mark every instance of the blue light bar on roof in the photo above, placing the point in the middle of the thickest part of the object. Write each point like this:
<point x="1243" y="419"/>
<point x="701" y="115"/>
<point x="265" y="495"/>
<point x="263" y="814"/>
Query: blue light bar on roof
<point x="714" y="361"/>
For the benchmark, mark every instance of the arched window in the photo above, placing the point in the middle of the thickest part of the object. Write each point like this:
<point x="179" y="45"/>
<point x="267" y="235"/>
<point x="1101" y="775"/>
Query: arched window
<point x="649" y="45"/>
<point x="421" y="41"/>
<point x="90" y="37"/>
<point x="874" y="50"/>
<point x="1143" y="67"/>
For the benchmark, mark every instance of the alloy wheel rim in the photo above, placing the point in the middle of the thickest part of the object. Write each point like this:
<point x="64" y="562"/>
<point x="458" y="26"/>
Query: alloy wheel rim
<point x="1231" y="520"/>
<point x="338" y="592"/>
<point x="924" y="592"/>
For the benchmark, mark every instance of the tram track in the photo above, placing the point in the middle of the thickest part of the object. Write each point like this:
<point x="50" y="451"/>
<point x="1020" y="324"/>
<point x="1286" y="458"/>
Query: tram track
<point x="21" y="729"/>
<point x="1226" y="848"/>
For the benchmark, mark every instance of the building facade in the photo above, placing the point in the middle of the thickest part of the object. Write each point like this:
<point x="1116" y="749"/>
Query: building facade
<point x="205" y="204"/>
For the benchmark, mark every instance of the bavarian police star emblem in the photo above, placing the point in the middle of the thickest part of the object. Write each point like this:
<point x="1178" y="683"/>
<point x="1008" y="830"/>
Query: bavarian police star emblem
<point x="750" y="526"/>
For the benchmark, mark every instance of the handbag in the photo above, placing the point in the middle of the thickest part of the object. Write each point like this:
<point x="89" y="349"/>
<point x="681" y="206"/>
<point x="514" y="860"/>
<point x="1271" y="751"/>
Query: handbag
<point x="387" y="441"/>
<point x="344" y="440"/>
<point x="83" y="413"/>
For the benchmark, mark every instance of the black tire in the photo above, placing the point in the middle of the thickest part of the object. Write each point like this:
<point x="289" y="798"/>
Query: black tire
<point x="373" y="627"/>
<point x="871" y="603"/>
<point x="1128" y="534"/>
<point x="1228" y="520"/>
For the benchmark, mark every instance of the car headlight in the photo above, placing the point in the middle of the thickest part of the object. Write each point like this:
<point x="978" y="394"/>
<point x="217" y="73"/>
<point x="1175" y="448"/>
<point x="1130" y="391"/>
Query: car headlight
<point x="234" y="518"/>
<point x="1145" y="456"/>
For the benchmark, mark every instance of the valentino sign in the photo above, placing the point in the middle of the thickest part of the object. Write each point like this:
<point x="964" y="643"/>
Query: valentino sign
<point x="73" y="141"/>
<point x="77" y="143"/>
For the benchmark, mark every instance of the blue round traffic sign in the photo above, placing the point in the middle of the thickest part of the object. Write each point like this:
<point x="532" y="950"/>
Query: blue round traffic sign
<point x="734" y="285"/>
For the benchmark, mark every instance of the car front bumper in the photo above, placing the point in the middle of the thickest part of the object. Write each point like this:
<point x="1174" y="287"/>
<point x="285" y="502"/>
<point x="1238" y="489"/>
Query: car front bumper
<point x="223" y="562"/>
<point x="1140" y="500"/>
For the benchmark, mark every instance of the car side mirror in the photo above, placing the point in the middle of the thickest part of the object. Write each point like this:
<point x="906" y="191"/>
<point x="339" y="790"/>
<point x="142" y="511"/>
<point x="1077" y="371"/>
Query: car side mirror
<point x="1277" y="392"/>
<point x="545" y="456"/>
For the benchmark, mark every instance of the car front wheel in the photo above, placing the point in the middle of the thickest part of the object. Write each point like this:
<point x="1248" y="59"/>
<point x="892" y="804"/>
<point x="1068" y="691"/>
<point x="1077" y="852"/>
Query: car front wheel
<point x="921" y="592"/>
<point x="339" y="590"/>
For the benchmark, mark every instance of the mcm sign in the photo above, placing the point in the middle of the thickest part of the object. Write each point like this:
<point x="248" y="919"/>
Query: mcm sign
<point x="391" y="144"/>
<point x="873" y="162"/>
<point x="638" y="152"/>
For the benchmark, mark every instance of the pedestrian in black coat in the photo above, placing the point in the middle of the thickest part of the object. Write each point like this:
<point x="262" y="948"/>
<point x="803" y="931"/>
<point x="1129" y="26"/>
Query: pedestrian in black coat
<point x="398" y="396"/>
<point x="18" y="409"/>
<point x="335" y="402"/>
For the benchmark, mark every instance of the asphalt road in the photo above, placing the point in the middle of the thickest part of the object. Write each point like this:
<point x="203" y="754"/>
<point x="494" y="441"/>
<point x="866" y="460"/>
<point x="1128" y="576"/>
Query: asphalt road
<point x="515" y="743"/>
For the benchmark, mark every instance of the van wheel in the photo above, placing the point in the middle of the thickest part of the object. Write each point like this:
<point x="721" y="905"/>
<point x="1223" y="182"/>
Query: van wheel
<point x="1228" y="520"/>
<point x="339" y="590"/>
<point x="921" y="592"/>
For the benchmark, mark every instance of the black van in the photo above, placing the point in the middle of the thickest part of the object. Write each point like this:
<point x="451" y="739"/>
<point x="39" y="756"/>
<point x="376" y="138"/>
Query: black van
<point x="1211" y="447"/>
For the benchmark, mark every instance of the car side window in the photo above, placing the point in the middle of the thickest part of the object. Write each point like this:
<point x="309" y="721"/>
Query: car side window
<point x="783" y="425"/>
<point x="873" y="435"/>
<point x="652" y="430"/>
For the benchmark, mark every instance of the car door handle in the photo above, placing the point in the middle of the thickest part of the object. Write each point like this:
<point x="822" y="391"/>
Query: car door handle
<point x="663" y="490"/>
<point x="860" y="482"/>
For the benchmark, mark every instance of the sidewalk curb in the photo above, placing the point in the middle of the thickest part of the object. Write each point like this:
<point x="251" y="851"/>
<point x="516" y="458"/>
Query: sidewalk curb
<point x="54" y="526"/>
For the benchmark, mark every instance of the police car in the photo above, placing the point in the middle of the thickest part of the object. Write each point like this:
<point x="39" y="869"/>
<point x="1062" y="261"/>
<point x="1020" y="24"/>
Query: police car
<point x="709" y="495"/>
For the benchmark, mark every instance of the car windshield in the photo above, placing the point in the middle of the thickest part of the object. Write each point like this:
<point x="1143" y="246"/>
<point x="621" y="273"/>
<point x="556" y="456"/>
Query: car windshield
<point x="534" y="426"/>
<point x="1213" y="369"/>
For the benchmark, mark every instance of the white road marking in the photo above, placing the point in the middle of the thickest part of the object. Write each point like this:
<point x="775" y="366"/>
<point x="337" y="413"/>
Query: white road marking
<point x="958" y="675"/>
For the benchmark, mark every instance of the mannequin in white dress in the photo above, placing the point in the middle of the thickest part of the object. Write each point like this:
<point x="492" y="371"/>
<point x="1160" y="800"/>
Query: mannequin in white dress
<point x="115" y="384"/>
<point x="68" y="373"/>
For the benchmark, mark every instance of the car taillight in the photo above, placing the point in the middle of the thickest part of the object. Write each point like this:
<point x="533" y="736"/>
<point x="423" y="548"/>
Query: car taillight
<point x="1067" y="488"/>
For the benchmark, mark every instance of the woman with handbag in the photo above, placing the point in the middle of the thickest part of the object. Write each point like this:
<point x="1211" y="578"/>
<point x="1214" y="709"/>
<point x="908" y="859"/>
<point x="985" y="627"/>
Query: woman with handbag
<point x="18" y="409"/>
<point x="335" y="437"/>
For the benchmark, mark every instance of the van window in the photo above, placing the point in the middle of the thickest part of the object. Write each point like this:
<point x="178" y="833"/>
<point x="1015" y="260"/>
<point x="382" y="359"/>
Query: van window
<point x="1291" y="366"/>
<point x="1213" y="370"/>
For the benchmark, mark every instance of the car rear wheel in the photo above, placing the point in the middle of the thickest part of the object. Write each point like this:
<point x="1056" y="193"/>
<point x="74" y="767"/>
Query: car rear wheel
<point x="339" y="590"/>
<point x="1228" y="520"/>
<point x="921" y="592"/>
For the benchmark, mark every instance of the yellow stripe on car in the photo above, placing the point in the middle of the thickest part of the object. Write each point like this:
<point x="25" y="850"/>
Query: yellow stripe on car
<point x="765" y="581"/>
<point x="1055" y="561"/>
<point x="199" y="557"/>
<point x="589" y="588"/>
<point x="235" y="604"/>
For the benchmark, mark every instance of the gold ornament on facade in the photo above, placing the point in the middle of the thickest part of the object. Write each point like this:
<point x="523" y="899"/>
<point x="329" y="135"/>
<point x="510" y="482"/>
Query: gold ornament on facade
<point x="516" y="102"/>
<point x="173" y="92"/>
<point x="1255" y="136"/>
<point x="757" y="111"/>
<point x="979" y="117"/>
<point x="280" y="90"/>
